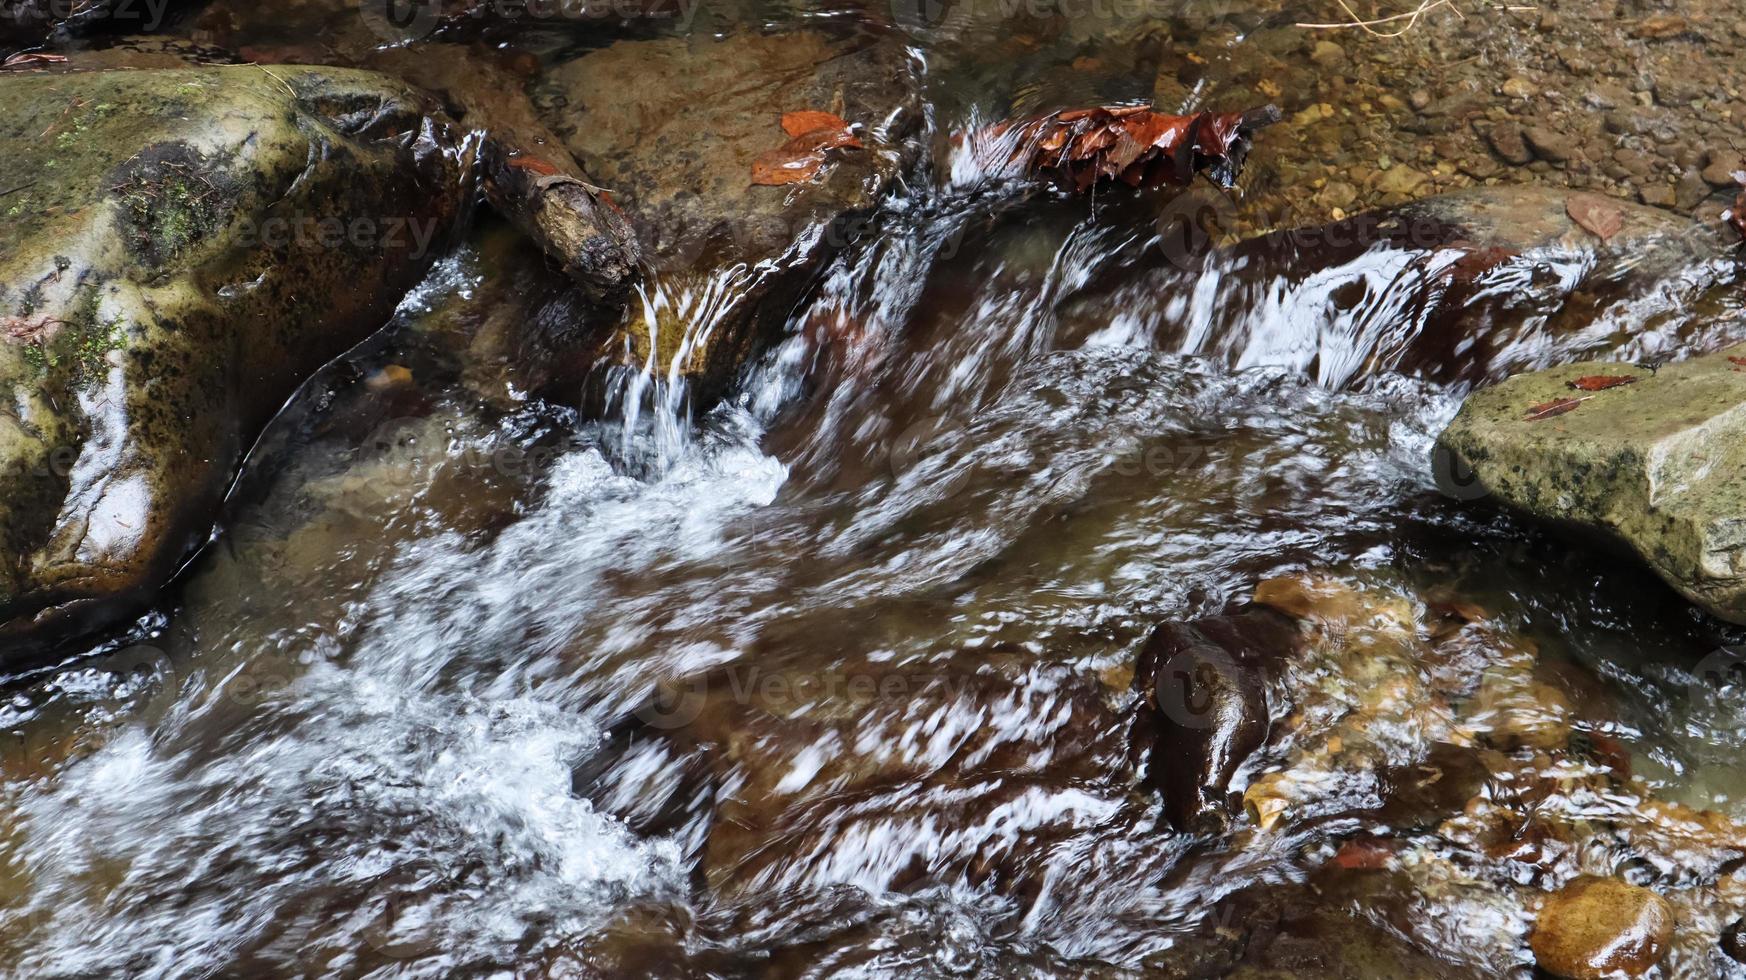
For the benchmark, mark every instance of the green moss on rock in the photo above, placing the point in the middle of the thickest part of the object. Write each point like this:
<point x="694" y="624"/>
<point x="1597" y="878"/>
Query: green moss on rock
<point x="1659" y="463"/>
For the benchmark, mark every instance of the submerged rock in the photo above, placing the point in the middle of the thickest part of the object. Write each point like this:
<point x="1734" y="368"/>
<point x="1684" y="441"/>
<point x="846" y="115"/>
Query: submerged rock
<point x="783" y="779"/>
<point x="1654" y="460"/>
<point x="1203" y="710"/>
<point x="182" y="248"/>
<point x="1601" y="927"/>
<point x="672" y="127"/>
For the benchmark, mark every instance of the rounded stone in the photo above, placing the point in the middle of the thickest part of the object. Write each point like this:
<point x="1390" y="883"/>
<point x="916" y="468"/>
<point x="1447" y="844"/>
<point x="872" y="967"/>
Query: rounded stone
<point x="1601" y="927"/>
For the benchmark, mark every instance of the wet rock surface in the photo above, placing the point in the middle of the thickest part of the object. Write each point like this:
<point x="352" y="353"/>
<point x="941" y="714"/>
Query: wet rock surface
<point x="1650" y="461"/>
<point x="1204" y="710"/>
<point x="1595" y="928"/>
<point x="183" y="248"/>
<point x="672" y="127"/>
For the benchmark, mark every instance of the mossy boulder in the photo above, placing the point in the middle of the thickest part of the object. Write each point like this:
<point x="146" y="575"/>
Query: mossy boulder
<point x="671" y="127"/>
<point x="180" y="249"/>
<point x="1658" y="462"/>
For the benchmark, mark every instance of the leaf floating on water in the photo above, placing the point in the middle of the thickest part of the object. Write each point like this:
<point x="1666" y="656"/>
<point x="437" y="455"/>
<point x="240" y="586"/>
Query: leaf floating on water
<point x="807" y="120"/>
<point x="814" y="136"/>
<point x="1597" y="215"/>
<point x="1553" y="408"/>
<point x="1737" y="360"/>
<point x="1601" y="382"/>
<point x="1133" y="144"/>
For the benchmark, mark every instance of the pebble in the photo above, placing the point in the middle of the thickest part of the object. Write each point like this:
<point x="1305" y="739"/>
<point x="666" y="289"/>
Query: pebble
<point x="1678" y="90"/>
<point x="1400" y="179"/>
<point x="1690" y="191"/>
<point x="1506" y="140"/>
<point x="1658" y="195"/>
<point x="1517" y="87"/>
<point x="1339" y="194"/>
<point x="1720" y="172"/>
<point x="1328" y="54"/>
<point x="1549" y="144"/>
<point x="1634" y="162"/>
<point x="1660" y="26"/>
<point x="1627" y="122"/>
<point x="1595" y="928"/>
<point x="1734" y="941"/>
<point x="1419" y="99"/>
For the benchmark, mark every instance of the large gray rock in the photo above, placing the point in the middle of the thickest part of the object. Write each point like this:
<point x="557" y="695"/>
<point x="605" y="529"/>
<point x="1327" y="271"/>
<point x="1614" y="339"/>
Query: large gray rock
<point x="671" y="127"/>
<point x="181" y="249"/>
<point x="1659" y="463"/>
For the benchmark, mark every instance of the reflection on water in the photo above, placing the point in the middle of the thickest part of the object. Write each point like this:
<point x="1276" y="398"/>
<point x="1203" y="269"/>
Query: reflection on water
<point x="838" y="674"/>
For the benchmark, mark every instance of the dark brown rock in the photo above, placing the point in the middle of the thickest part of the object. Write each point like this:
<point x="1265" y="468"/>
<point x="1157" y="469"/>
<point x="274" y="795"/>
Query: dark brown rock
<point x="1548" y="144"/>
<point x="1203" y="708"/>
<point x="1507" y="141"/>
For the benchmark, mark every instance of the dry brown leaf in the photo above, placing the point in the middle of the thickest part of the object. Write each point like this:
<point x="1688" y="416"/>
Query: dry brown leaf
<point x="1133" y="144"/>
<point x="1553" y="408"/>
<point x="1601" y="382"/>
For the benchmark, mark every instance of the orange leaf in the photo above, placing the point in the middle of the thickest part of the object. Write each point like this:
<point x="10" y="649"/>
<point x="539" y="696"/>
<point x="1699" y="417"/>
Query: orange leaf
<point x="1737" y="360"/>
<point x="1601" y="382"/>
<point x="781" y="167"/>
<point x="1553" y="408"/>
<point x="827" y="139"/>
<point x="807" y="120"/>
<point x="801" y="158"/>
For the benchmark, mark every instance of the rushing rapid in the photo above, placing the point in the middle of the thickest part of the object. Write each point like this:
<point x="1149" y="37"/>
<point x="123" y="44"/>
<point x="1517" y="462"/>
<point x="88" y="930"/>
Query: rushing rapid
<point x="834" y="674"/>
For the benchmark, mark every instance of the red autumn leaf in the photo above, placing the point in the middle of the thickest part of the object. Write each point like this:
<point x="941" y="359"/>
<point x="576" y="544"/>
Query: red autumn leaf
<point x="804" y="156"/>
<point x="1737" y="360"/>
<point x="532" y="164"/>
<point x="35" y="331"/>
<point x="1133" y="144"/>
<point x="1363" y="855"/>
<point x="32" y="59"/>
<point x="1601" y="382"/>
<point x="1553" y="408"/>
<point x="806" y="120"/>
<point x="1599" y="216"/>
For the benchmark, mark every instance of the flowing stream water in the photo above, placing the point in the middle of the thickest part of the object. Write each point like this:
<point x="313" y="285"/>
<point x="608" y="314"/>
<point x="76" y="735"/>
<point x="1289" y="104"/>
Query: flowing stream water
<point x="832" y="677"/>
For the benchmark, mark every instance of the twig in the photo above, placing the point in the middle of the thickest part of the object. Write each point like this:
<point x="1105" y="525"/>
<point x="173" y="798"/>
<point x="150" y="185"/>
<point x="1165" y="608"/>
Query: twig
<point x="276" y="78"/>
<point x="1411" y="17"/>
